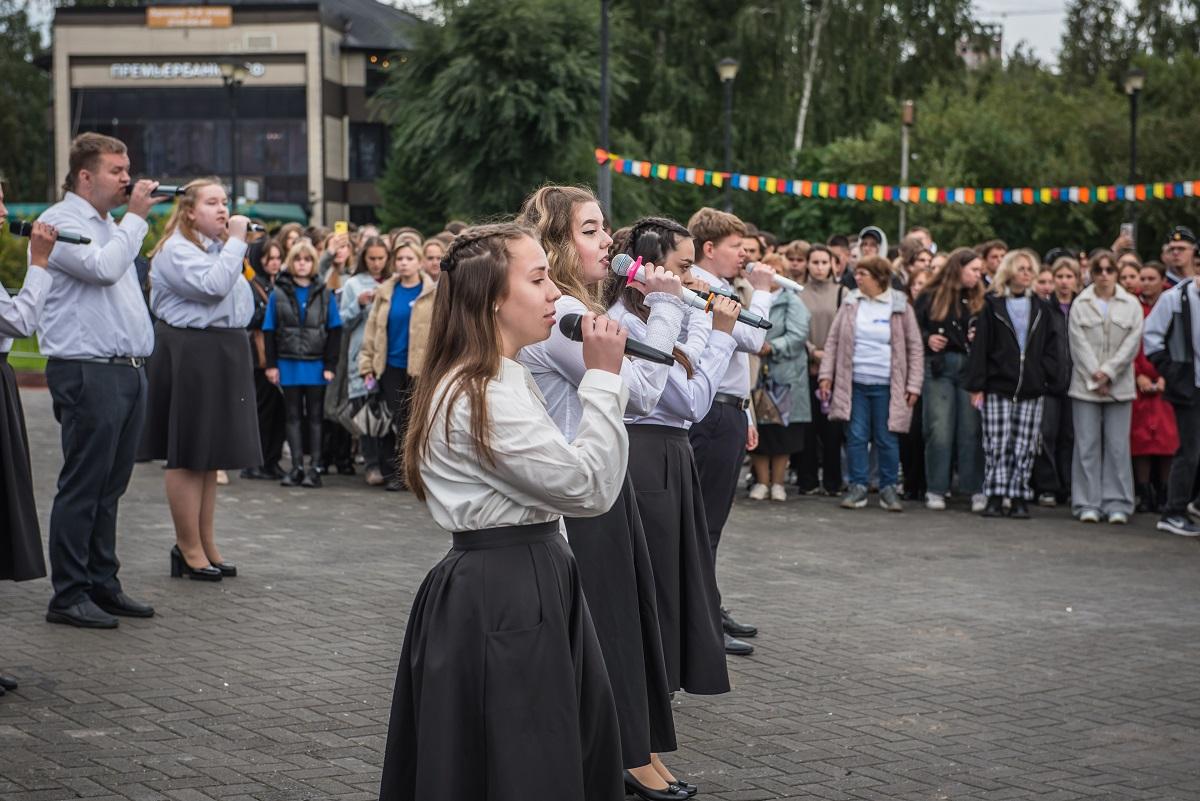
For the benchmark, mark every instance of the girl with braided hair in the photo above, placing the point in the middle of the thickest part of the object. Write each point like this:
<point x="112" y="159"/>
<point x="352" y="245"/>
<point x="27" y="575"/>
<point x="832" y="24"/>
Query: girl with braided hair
<point x="501" y="691"/>
<point x="615" y="566"/>
<point x="664" y="474"/>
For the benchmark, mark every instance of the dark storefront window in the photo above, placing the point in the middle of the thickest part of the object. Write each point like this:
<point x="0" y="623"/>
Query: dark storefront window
<point x="175" y="134"/>
<point x="368" y="150"/>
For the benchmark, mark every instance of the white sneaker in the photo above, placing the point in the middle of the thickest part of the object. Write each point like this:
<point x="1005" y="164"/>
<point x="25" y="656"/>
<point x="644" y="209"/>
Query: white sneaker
<point x="1193" y="512"/>
<point x="778" y="493"/>
<point x="758" y="492"/>
<point x="1118" y="518"/>
<point x="1047" y="499"/>
<point x="1089" y="516"/>
<point x="935" y="501"/>
<point x="978" y="502"/>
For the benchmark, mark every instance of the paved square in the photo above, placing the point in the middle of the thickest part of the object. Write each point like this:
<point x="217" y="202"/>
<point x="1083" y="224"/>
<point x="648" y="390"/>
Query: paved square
<point x="915" y="656"/>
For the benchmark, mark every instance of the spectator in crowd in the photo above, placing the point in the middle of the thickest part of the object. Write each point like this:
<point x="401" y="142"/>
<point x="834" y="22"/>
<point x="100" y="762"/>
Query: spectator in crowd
<point x="992" y="253"/>
<point x="1172" y="334"/>
<point x="823" y="438"/>
<point x="354" y="305"/>
<point x="922" y="235"/>
<point x="303" y="339"/>
<point x="914" y="256"/>
<point x="797" y="261"/>
<point x="336" y="261"/>
<point x="1105" y="332"/>
<point x="266" y="259"/>
<point x="1179" y="254"/>
<point x="871" y="376"/>
<point x="394" y="345"/>
<point x="1016" y="357"/>
<point x="937" y="263"/>
<point x="782" y="401"/>
<point x="946" y="314"/>
<point x="912" y="442"/>
<point x="1044" y="285"/>
<point x="1154" y="436"/>
<point x="96" y="333"/>
<point x="1052" y="466"/>
<point x="753" y="246"/>
<point x="288" y="235"/>
<point x="839" y="246"/>
<point x="1131" y="274"/>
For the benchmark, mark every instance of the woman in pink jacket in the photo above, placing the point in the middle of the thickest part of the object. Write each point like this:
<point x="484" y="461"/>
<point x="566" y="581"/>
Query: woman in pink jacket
<point x="871" y="376"/>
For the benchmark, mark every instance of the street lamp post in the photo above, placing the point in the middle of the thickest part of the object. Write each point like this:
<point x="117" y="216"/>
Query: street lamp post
<point x="604" y="176"/>
<point x="1135" y="80"/>
<point x="233" y="75"/>
<point x="727" y="69"/>
<point x="907" y="118"/>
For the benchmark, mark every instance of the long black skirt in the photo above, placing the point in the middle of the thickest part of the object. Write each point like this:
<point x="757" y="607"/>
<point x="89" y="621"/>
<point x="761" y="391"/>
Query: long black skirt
<point x="501" y="692"/>
<point x="664" y="476"/>
<point x="618" y="581"/>
<point x="201" y="407"/>
<point x="21" y="556"/>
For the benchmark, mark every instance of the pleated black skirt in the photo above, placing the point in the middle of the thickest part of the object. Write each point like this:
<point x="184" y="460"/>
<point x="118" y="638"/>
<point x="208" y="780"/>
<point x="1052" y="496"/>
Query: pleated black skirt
<point x="201" y="407"/>
<point x="664" y="476"/>
<point x="21" y="556"/>
<point x="501" y="692"/>
<point x="618" y="581"/>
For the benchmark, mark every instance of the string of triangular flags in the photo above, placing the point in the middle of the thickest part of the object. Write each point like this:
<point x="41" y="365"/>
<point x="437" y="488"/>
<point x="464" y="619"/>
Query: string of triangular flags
<point x="967" y="195"/>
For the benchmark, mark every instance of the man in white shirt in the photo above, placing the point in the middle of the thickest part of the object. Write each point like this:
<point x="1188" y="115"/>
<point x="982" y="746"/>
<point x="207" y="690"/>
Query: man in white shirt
<point x="719" y="441"/>
<point x="96" y="332"/>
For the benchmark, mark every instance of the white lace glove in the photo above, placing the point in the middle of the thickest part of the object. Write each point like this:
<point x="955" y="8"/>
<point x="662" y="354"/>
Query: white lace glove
<point x="666" y="319"/>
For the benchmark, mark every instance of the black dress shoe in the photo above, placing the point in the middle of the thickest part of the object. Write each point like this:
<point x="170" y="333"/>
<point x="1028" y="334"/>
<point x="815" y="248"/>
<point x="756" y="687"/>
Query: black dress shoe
<point x="3" y="692"/>
<point x="85" y="615"/>
<point x="180" y="568"/>
<point x="737" y="647"/>
<point x="7" y="682"/>
<point x="312" y="478"/>
<point x="995" y="507"/>
<point x="121" y="604"/>
<point x="228" y="569"/>
<point x="256" y="474"/>
<point x="394" y="484"/>
<point x="634" y="787"/>
<point x="1018" y="510"/>
<point x="690" y="789"/>
<point x="734" y="628"/>
<point x="293" y="477"/>
<point x="274" y="471"/>
<point x="346" y="469"/>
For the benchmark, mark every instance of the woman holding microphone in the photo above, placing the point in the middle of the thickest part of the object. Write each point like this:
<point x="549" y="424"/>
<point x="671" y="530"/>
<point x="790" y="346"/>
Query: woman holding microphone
<point x="201" y="413"/>
<point x="20" y="538"/>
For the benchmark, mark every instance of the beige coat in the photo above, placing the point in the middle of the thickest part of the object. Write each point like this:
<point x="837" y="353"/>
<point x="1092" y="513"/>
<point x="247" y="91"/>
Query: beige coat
<point x="373" y="356"/>
<point x="1108" y="343"/>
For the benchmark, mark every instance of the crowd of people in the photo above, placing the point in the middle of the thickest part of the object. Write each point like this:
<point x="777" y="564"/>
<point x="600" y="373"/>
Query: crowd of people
<point x="440" y="366"/>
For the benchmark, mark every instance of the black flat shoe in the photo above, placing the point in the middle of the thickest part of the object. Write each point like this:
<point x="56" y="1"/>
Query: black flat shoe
<point x="1019" y="510"/>
<point x="312" y="478"/>
<point x="690" y="789"/>
<point x="122" y="604"/>
<point x="228" y="569"/>
<point x="84" y="615"/>
<point x="293" y="477"/>
<point x="7" y="682"/>
<point x="256" y="474"/>
<point x="735" y="647"/>
<point x="671" y="793"/>
<point x="995" y="507"/>
<point x="180" y="568"/>
<point x="734" y="628"/>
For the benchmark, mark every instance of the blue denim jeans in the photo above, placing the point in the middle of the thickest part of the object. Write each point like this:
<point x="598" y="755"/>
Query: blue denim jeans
<point x="952" y="428"/>
<point x="869" y="424"/>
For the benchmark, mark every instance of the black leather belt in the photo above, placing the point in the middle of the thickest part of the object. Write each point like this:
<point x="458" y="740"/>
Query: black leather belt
<point x="732" y="400"/>
<point x="127" y="361"/>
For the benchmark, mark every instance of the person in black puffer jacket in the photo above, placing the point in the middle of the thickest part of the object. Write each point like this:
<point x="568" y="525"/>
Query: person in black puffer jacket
<point x="1016" y="357"/>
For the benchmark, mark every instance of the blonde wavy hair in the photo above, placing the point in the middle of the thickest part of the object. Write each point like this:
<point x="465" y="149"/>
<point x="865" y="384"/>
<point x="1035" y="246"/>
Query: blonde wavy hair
<point x="551" y="212"/>
<point x="1009" y="266"/>
<point x="179" y="215"/>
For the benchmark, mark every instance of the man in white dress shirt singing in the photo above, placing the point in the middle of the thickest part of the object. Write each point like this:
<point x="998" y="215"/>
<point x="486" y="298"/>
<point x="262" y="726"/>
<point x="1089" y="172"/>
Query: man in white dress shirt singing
<point x="96" y="332"/>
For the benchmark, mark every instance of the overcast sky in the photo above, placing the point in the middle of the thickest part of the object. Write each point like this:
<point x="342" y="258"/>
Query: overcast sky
<point x="1038" y="22"/>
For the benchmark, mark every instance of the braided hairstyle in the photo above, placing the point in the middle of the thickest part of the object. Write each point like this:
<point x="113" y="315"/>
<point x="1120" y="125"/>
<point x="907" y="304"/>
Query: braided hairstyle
<point x="464" y="341"/>
<point x="652" y="239"/>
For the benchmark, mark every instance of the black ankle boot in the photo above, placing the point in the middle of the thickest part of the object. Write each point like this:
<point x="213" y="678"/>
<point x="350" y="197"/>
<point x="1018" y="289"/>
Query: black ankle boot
<point x="1145" y="498"/>
<point x="1018" y="509"/>
<point x="995" y="507"/>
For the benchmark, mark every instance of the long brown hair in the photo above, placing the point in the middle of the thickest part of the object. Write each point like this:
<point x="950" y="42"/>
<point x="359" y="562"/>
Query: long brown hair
<point x="651" y="239"/>
<point x="946" y="288"/>
<point x="178" y="220"/>
<point x="551" y="212"/>
<point x="464" y="342"/>
<point x="374" y="242"/>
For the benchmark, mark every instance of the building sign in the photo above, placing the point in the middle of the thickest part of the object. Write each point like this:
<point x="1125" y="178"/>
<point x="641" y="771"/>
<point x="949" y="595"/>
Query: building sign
<point x="176" y="69"/>
<point x="189" y="16"/>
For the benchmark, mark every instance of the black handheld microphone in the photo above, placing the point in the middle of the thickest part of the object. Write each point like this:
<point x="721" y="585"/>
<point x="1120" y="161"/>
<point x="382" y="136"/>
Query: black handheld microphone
<point x="23" y="228"/>
<point x="571" y="326"/>
<point x="165" y="190"/>
<point x="622" y="265"/>
<point x="255" y="228"/>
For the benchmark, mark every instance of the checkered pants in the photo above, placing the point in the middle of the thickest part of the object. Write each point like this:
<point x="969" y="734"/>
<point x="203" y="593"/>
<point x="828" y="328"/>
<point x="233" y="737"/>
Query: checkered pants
<point x="1010" y="443"/>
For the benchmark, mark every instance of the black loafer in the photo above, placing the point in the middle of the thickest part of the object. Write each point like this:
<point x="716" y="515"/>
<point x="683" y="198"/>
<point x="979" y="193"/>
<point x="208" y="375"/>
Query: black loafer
<point x="85" y="615"/>
<point x="634" y="787"/>
<point x="690" y="789"/>
<point x="737" y="647"/>
<point x="7" y="682"/>
<point x="122" y="604"/>
<point x="735" y="629"/>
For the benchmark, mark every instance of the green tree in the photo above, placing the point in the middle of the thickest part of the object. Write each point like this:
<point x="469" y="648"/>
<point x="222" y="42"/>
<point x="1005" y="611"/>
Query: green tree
<point x="496" y="100"/>
<point x="24" y="98"/>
